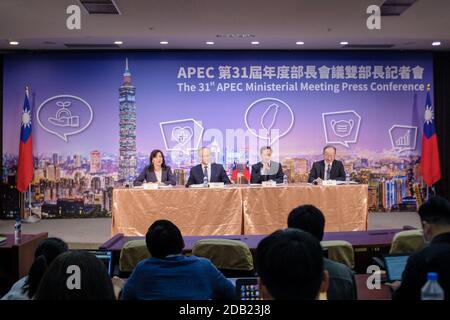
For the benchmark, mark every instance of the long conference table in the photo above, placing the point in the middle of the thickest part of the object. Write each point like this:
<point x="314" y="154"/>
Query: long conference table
<point x="236" y="209"/>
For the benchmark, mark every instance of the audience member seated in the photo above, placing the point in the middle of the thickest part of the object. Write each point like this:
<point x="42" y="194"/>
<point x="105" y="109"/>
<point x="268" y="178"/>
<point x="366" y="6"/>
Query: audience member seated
<point x="76" y="275"/>
<point x="45" y="253"/>
<point x="342" y="280"/>
<point x="290" y="266"/>
<point x="435" y="217"/>
<point x="168" y="274"/>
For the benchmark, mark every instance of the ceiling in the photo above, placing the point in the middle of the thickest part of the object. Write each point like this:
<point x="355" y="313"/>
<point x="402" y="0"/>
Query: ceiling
<point x="188" y="24"/>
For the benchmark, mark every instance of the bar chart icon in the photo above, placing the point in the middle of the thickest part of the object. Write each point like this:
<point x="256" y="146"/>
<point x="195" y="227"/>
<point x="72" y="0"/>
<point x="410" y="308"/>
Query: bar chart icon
<point x="403" y="137"/>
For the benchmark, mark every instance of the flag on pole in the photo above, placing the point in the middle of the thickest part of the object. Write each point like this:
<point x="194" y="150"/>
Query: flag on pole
<point x="25" y="165"/>
<point x="429" y="161"/>
<point x="247" y="172"/>
<point x="234" y="172"/>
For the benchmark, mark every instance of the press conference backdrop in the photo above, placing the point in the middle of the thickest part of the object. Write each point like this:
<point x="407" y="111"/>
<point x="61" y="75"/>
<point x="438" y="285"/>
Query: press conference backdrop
<point x="97" y="116"/>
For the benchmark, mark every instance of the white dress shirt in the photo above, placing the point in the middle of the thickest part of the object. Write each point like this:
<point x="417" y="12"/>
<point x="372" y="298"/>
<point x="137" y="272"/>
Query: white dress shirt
<point x="158" y="175"/>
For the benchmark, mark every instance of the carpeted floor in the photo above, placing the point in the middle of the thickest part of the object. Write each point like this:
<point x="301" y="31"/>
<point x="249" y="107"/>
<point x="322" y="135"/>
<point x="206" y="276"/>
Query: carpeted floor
<point x="90" y="233"/>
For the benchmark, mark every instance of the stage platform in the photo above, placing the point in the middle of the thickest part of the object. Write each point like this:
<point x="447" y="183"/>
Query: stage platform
<point x="91" y="233"/>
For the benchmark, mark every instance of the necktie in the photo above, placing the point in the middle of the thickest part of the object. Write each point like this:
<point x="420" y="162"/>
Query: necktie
<point x="328" y="172"/>
<point x="206" y="173"/>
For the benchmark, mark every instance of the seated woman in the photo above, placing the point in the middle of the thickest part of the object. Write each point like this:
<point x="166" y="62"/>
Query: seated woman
<point x="157" y="171"/>
<point x="76" y="275"/>
<point x="47" y="251"/>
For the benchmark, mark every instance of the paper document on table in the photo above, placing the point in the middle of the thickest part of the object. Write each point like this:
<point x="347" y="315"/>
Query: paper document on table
<point x="198" y="186"/>
<point x="346" y="182"/>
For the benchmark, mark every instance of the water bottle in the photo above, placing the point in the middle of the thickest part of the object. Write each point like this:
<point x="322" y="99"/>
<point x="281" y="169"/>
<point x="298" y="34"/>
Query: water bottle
<point x="285" y="179"/>
<point x="347" y="178"/>
<point x="205" y="181"/>
<point x="432" y="290"/>
<point x="18" y="229"/>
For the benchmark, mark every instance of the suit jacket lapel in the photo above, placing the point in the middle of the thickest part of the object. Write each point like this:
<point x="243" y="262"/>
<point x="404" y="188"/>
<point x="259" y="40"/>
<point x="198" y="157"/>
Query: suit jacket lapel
<point x="152" y="176"/>
<point x="333" y="168"/>
<point x="322" y="170"/>
<point x="201" y="172"/>
<point x="212" y="171"/>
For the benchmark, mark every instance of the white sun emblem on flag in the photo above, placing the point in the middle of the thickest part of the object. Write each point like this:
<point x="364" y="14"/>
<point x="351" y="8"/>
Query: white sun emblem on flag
<point x="26" y="119"/>
<point x="429" y="115"/>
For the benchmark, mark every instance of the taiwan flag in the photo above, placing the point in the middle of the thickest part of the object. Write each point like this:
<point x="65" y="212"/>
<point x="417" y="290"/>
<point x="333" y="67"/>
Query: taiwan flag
<point x="25" y="166"/>
<point x="429" y="163"/>
<point x="234" y="172"/>
<point x="247" y="172"/>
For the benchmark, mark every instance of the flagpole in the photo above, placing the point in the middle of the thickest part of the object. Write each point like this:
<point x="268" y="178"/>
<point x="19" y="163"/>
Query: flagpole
<point x="29" y="197"/>
<point x="30" y="218"/>
<point x="27" y="92"/>
<point x="21" y="205"/>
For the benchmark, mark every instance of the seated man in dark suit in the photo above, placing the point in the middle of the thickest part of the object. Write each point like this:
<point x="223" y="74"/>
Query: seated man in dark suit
<point x="327" y="169"/>
<point x="213" y="171"/>
<point x="435" y="217"/>
<point x="266" y="169"/>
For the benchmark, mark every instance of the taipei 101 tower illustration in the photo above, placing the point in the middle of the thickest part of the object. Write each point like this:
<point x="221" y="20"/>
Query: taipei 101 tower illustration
<point x="127" y="126"/>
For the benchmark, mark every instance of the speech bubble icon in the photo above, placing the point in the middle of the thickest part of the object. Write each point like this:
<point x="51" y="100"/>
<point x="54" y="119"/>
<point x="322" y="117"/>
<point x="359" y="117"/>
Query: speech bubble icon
<point x="64" y="115"/>
<point x="403" y="137"/>
<point x="182" y="135"/>
<point x="341" y="127"/>
<point x="265" y="118"/>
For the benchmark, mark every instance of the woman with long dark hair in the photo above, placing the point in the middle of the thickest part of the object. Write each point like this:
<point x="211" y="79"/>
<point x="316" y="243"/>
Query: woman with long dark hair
<point x="76" y="275"/>
<point x="46" y="252"/>
<point x="157" y="171"/>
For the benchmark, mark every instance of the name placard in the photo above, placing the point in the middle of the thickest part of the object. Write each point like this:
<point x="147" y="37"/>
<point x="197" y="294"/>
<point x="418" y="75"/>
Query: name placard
<point x="217" y="185"/>
<point x="270" y="184"/>
<point x="329" y="182"/>
<point x="150" y="186"/>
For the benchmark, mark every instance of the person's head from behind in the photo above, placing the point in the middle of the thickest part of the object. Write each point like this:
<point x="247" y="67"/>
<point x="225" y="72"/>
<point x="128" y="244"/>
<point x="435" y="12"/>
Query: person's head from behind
<point x="307" y="218"/>
<point x="204" y="155"/>
<point x="76" y="275"/>
<point x="266" y="154"/>
<point x="44" y="255"/>
<point x="435" y="217"/>
<point x="163" y="238"/>
<point x="290" y="266"/>
<point x="329" y="153"/>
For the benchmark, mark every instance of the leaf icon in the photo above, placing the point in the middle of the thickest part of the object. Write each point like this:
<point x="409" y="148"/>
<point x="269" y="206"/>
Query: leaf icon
<point x="269" y="117"/>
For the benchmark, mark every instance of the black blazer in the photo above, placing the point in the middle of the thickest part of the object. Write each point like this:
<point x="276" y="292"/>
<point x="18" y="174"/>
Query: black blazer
<point x="149" y="176"/>
<point x="433" y="258"/>
<point x="318" y="171"/>
<point x="257" y="177"/>
<point x="218" y="174"/>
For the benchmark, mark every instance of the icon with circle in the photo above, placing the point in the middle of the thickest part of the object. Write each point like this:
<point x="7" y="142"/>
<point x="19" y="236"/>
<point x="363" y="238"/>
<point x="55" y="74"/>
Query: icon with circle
<point x="64" y="115"/>
<point x="269" y="119"/>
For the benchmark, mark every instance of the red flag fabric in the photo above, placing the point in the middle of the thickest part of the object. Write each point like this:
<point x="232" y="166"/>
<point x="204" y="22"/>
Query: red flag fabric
<point x="25" y="163"/>
<point x="234" y="172"/>
<point x="429" y="162"/>
<point x="247" y="172"/>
